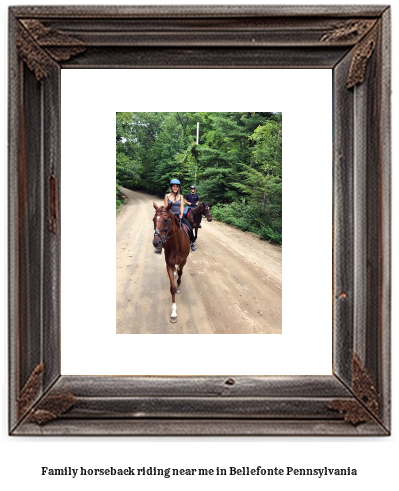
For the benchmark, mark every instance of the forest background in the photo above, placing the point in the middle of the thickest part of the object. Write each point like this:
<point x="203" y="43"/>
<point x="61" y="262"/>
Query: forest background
<point x="236" y="166"/>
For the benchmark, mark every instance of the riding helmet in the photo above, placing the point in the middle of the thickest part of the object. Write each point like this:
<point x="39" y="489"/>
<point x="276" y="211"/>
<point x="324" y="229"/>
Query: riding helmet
<point x="192" y="187"/>
<point x="175" y="181"/>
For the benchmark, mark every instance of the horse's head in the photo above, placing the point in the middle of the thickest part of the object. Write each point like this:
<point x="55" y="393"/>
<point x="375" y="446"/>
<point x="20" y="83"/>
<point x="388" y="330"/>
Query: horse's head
<point x="206" y="211"/>
<point x="162" y="222"/>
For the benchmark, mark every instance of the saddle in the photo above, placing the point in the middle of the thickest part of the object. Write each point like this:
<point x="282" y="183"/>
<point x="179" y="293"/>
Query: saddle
<point x="186" y="229"/>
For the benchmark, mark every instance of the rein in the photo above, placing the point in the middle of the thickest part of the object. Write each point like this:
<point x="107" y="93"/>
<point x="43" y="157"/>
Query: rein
<point x="165" y="237"/>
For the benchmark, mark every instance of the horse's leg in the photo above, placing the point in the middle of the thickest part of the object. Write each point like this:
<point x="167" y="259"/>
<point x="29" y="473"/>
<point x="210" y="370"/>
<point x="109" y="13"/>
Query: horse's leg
<point x="170" y="270"/>
<point x="179" y="273"/>
<point x="196" y="233"/>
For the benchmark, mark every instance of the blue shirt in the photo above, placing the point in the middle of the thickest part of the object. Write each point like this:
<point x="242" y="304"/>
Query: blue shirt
<point x="192" y="198"/>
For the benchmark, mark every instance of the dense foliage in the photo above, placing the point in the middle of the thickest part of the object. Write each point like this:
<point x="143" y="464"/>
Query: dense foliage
<point x="237" y="165"/>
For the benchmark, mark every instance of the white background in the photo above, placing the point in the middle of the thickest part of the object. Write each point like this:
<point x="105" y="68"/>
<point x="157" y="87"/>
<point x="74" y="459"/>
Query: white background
<point x="88" y="236"/>
<point x="374" y="458"/>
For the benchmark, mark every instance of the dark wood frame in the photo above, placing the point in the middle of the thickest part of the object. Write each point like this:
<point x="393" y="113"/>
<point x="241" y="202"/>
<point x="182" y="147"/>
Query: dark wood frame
<point x="353" y="41"/>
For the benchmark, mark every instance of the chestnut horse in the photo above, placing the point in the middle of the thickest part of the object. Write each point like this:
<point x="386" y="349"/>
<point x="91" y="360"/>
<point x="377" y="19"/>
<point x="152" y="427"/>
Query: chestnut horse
<point x="194" y="215"/>
<point x="169" y="234"/>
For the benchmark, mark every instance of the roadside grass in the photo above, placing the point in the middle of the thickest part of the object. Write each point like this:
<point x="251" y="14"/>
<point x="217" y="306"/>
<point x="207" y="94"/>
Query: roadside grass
<point x="247" y="219"/>
<point x="120" y="201"/>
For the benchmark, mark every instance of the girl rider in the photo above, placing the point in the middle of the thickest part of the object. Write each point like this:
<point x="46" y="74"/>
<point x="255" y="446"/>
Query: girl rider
<point x="177" y="208"/>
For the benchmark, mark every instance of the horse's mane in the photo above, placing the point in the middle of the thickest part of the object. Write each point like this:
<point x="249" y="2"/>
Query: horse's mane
<point x="194" y="211"/>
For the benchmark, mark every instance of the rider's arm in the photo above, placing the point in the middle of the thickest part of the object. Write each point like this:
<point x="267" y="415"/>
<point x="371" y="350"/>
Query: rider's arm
<point x="165" y="200"/>
<point x="181" y="208"/>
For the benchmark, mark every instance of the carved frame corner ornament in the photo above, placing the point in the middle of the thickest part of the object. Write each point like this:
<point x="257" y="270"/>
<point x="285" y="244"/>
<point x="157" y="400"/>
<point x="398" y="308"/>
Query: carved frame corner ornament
<point x="38" y="45"/>
<point x="366" y="406"/>
<point x="364" y="34"/>
<point x="350" y="31"/>
<point x="351" y="41"/>
<point x="361" y="56"/>
<point x="41" y="410"/>
<point x="51" y="407"/>
<point x="30" y="391"/>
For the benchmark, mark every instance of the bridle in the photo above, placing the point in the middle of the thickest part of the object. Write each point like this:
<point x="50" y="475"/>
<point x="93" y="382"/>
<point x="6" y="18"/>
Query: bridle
<point x="208" y="214"/>
<point x="165" y="237"/>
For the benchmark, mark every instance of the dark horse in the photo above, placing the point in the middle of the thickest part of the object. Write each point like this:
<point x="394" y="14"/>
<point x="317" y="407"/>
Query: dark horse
<point x="169" y="233"/>
<point x="194" y="216"/>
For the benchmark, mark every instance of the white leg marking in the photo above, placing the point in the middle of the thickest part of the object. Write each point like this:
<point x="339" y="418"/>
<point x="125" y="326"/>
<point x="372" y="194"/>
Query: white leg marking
<point x="174" y="310"/>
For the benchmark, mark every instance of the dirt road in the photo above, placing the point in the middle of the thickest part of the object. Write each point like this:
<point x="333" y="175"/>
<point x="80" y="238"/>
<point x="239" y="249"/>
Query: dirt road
<point x="230" y="285"/>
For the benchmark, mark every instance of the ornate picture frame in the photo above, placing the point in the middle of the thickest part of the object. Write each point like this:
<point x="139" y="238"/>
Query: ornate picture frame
<point x="352" y="41"/>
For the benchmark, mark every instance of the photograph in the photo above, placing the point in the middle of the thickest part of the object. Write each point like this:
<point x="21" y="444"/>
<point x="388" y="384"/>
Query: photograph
<point x="210" y="184"/>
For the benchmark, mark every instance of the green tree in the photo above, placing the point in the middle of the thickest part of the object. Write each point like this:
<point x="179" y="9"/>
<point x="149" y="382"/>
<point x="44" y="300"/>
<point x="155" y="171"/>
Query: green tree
<point x="237" y="164"/>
